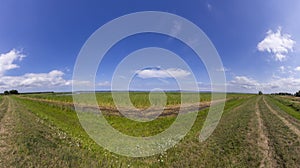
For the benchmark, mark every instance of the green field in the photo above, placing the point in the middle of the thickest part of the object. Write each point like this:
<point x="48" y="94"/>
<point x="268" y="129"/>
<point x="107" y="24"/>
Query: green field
<point x="139" y="99"/>
<point x="254" y="131"/>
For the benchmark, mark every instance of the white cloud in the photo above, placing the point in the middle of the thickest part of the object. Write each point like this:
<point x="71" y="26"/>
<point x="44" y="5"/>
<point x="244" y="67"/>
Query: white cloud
<point x="277" y="43"/>
<point x="34" y="80"/>
<point x="105" y="83"/>
<point x="244" y="82"/>
<point x="163" y="73"/>
<point x="276" y="84"/>
<point x="288" y="84"/>
<point x="282" y="69"/>
<point x="7" y="60"/>
<point x="297" y="68"/>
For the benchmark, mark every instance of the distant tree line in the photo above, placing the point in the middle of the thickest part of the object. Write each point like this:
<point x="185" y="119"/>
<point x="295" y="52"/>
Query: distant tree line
<point x="297" y="94"/>
<point x="282" y="94"/>
<point x="11" y="92"/>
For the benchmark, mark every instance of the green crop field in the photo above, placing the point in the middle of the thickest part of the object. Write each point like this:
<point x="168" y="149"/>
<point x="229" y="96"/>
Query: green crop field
<point x="139" y="99"/>
<point x="254" y="131"/>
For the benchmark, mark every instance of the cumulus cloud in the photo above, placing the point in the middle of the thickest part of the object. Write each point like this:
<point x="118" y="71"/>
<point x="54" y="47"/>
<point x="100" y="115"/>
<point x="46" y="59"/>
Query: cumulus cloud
<point x="41" y="81"/>
<point x="34" y="80"/>
<point x="277" y="43"/>
<point x="162" y="73"/>
<point x="288" y="84"/>
<point x="7" y="60"/>
<point x="244" y="82"/>
<point x="297" y="68"/>
<point x="276" y="84"/>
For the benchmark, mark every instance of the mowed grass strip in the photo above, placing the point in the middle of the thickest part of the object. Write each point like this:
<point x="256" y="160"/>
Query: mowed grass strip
<point x="3" y="107"/>
<point x="229" y="146"/>
<point x="286" y="105"/>
<point x="282" y="140"/>
<point x="285" y="111"/>
<point x="38" y="144"/>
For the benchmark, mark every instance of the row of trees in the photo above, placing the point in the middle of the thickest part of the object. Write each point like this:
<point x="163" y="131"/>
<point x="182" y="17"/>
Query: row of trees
<point x="11" y="92"/>
<point x="297" y="94"/>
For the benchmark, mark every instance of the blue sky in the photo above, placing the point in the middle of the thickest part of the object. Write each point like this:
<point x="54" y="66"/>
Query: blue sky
<point x="258" y="42"/>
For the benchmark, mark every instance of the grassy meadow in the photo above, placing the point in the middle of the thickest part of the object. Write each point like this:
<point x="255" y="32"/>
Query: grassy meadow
<point x="49" y="134"/>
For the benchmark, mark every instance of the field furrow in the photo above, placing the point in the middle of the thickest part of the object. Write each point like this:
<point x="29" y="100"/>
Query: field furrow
<point x="284" y="120"/>
<point x="286" y="111"/>
<point x="282" y="140"/>
<point x="7" y="125"/>
<point x="263" y="141"/>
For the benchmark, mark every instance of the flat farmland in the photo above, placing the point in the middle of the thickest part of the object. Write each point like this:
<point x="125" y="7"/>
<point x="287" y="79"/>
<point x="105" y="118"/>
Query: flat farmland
<point x="43" y="130"/>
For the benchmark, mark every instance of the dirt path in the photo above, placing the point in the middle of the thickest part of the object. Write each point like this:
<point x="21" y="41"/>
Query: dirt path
<point x="263" y="142"/>
<point x="285" y="121"/>
<point x="6" y="130"/>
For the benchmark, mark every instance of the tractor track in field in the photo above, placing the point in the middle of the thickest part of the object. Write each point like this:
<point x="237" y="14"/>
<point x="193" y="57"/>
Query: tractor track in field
<point x="7" y="124"/>
<point x="293" y="128"/>
<point x="264" y="141"/>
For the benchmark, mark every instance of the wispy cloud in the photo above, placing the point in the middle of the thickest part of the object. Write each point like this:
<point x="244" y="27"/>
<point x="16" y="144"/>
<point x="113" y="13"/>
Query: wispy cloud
<point x="277" y="43"/>
<point x="282" y="69"/>
<point x="162" y="73"/>
<point x="209" y="6"/>
<point x="105" y="83"/>
<point x="176" y="29"/>
<point x="223" y="69"/>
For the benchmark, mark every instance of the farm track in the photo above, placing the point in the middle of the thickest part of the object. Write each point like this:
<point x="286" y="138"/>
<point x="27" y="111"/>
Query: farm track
<point x="263" y="141"/>
<point x="284" y="120"/>
<point x="7" y="125"/>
